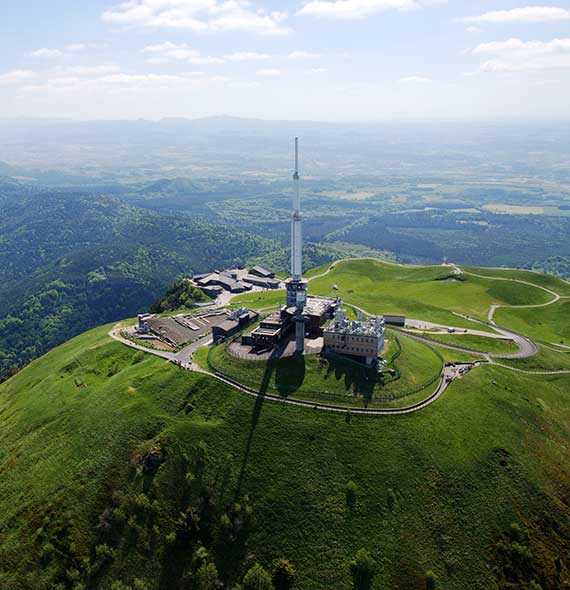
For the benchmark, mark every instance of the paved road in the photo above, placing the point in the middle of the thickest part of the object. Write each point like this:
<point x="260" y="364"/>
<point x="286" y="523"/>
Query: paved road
<point x="184" y="358"/>
<point x="526" y="348"/>
<point x="555" y="296"/>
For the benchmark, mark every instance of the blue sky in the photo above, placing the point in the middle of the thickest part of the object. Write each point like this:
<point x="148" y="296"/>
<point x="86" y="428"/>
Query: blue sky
<point x="307" y="59"/>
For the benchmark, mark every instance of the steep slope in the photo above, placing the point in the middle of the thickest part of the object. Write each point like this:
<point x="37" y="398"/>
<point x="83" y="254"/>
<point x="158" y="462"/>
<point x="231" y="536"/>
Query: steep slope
<point x="69" y="262"/>
<point x="115" y="466"/>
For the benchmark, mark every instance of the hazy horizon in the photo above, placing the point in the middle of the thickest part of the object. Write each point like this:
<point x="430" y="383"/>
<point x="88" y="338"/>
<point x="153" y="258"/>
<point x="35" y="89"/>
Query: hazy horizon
<point x="310" y="60"/>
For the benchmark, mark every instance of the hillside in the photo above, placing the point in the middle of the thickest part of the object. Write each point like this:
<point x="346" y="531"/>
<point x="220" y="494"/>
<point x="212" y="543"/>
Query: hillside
<point x="71" y="261"/>
<point x="115" y="466"/>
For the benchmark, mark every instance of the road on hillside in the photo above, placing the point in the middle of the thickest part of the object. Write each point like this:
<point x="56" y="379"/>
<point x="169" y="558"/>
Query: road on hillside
<point x="527" y="348"/>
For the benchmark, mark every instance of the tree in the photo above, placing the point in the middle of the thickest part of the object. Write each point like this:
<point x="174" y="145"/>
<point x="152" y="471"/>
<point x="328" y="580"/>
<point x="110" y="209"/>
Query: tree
<point x="431" y="581"/>
<point x="362" y="569"/>
<point x="207" y="577"/>
<point x="283" y="574"/>
<point x="351" y="492"/>
<point x="257" y="578"/>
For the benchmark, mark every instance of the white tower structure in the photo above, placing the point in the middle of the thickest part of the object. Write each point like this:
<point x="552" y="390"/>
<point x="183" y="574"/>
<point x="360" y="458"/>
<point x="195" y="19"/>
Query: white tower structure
<point x="296" y="287"/>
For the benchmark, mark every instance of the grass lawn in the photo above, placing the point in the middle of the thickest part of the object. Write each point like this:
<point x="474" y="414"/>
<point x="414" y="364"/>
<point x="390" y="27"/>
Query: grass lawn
<point x="547" y="324"/>
<point x="331" y="380"/>
<point x="436" y="490"/>
<point x="472" y="342"/>
<point x="546" y="360"/>
<point x="115" y="466"/>
<point x="415" y="292"/>
<point x="550" y="282"/>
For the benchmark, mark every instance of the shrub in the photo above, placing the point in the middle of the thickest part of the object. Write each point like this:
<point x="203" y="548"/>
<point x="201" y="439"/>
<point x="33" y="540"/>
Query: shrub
<point x="207" y="577"/>
<point x="283" y="574"/>
<point x="431" y="581"/>
<point x="363" y="570"/>
<point x="257" y="578"/>
<point x="351" y="492"/>
<point x="391" y="500"/>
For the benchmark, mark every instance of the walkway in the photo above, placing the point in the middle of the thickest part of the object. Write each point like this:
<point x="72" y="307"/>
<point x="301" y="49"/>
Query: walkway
<point x="527" y="348"/>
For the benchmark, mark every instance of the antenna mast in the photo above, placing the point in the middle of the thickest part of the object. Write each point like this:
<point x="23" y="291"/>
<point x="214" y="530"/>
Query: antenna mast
<point x="296" y="287"/>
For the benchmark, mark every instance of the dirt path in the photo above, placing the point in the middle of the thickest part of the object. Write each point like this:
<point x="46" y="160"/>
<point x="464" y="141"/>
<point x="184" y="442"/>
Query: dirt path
<point x="490" y="316"/>
<point x="527" y="348"/>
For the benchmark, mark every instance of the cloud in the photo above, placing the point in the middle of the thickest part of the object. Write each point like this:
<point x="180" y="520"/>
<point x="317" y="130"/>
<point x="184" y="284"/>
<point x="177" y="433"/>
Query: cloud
<point x="122" y="83"/>
<point x="198" y="15"/>
<point x="182" y="51"/>
<point x="46" y="52"/>
<point x="356" y="9"/>
<point x="515" y="55"/>
<point x="90" y="70"/>
<point x="247" y="56"/>
<point x="474" y="30"/>
<point x="77" y="46"/>
<point x="268" y="72"/>
<point x="319" y="70"/>
<point x="244" y="85"/>
<point x="16" y="77"/>
<point x="303" y="55"/>
<point x="414" y="80"/>
<point x="527" y="14"/>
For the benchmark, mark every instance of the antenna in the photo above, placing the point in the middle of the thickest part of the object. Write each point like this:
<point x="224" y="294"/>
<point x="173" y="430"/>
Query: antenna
<point x="297" y="156"/>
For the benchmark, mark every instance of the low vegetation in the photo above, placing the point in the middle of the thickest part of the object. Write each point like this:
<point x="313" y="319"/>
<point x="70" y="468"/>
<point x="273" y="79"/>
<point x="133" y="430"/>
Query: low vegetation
<point x="412" y="367"/>
<point x="122" y="471"/>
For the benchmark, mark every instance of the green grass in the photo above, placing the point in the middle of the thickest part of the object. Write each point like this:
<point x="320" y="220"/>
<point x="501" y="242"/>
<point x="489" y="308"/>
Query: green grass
<point x="436" y="490"/>
<point x="548" y="324"/>
<point x="260" y="300"/>
<point x="489" y="453"/>
<point x="332" y="380"/>
<point x="476" y="343"/>
<point x="382" y="288"/>
<point x="550" y="282"/>
<point x="546" y="360"/>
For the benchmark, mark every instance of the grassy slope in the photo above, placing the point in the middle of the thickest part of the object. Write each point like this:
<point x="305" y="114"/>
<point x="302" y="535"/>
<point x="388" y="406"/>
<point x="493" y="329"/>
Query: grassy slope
<point x="550" y="282"/>
<point x="436" y="489"/>
<point x="546" y="360"/>
<point x="334" y="380"/>
<point x="548" y="324"/>
<point x="479" y="343"/>
<point x="384" y="288"/>
<point x="70" y="447"/>
<point x="413" y="291"/>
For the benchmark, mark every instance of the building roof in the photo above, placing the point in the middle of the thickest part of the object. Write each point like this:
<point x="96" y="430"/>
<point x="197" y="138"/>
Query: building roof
<point x="228" y="325"/>
<point x="262" y="271"/>
<point x="317" y="305"/>
<point x="373" y="326"/>
<point x="170" y="329"/>
<point x="256" y="280"/>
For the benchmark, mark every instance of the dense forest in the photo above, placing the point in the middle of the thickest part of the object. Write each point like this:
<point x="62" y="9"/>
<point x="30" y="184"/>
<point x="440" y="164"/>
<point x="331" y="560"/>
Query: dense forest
<point x="77" y="256"/>
<point x="69" y="262"/>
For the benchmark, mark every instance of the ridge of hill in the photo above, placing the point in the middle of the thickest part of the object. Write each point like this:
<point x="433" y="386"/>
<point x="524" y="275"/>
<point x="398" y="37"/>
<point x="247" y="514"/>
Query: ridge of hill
<point x="116" y="467"/>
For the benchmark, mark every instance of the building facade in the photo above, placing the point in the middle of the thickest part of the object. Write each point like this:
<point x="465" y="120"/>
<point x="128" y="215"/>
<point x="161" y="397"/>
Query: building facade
<point x="362" y="339"/>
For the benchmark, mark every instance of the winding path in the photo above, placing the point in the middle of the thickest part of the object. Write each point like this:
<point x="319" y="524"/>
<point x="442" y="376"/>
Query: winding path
<point x="527" y="348"/>
<point x="184" y="359"/>
<point x="555" y="296"/>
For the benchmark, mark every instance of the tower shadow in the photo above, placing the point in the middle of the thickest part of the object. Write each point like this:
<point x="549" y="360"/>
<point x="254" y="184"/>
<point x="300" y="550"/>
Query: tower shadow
<point x="256" y="413"/>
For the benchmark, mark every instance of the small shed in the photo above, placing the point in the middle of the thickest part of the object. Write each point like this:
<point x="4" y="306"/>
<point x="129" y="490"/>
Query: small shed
<point x="395" y="320"/>
<point x="262" y="272"/>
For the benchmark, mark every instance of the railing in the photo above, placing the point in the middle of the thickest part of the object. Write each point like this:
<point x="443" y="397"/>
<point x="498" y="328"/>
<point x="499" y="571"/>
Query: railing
<point x="348" y="396"/>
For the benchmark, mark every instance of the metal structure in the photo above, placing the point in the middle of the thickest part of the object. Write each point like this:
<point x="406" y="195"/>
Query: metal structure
<point x="296" y="287"/>
<point x="360" y="338"/>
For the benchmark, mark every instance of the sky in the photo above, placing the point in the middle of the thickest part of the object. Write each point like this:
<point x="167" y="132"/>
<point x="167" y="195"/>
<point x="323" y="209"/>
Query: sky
<point x="329" y="60"/>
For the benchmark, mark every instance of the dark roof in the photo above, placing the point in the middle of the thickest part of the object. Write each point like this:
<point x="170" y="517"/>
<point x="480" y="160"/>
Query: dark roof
<point x="227" y="325"/>
<point x="257" y="280"/>
<point x="262" y="271"/>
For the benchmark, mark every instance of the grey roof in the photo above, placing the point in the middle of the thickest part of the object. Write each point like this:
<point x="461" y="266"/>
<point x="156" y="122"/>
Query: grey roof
<point x="261" y="270"/>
